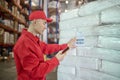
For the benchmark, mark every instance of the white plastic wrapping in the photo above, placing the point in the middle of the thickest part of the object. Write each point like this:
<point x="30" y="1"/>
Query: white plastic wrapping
<point x="72" y="52"/>
<point x="88" y="63"/>
<point x="64" y="76"/>
<point x="87" y="21"/>
<point x="87" y="31"/>
<point x="87" y="74"/>
<point x="70" y="14"/>
<point x="111" y="68"/>
<point x="99" y="53"/>
<point x="108" y="30"/>
<point x="109" y="42"/>
<point x="111" y="15"/>
<point x="67" y="33"/>
<point x="89" y="41"/>
<point x="95" y="7"/>
<point x="67" y="69"/>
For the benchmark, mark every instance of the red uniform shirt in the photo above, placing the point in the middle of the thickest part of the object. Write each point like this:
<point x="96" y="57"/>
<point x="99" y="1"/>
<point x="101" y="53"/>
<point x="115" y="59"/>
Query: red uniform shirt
<point x="29" y="57"/>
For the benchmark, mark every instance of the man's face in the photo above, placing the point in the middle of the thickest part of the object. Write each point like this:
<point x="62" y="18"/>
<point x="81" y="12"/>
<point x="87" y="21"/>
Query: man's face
<point x="39" y="26"/>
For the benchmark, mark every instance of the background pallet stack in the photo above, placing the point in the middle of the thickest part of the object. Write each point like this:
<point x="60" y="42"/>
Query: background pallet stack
<point x="53" y="27"/>
<point x="99" y="57"/>
<point x="13" y="18"/>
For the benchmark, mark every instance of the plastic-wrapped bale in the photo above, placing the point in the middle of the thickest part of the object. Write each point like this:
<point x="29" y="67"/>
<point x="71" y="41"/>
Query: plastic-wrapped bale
<point x="87" y="74"/>
<point x="87" y="31"/>
<point x="109" y="42"/>
<point x="84" y="62"/>
<point x="111" y="15"/>
<point x="90" y="41"/>
<point x="67" y="33"/>
<point x="110" y="68"/>
<point x="87" y="21"/>
<point x="67" y="61"/>
<point x="108" y="30"/>
<point x="69" y="15"/>
<point x="67" y="69"/>
<point x="72" y="52"/>
<point x="99" y="53"/>
<point x="69" y="75"/>
<point x="87" y="62"/>
<point x="95" y="6"/>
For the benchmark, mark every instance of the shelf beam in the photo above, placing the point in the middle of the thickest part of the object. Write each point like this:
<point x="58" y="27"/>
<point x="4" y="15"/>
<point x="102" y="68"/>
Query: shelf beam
<point x="8" y="28"/>
<point x="4" y="10"/>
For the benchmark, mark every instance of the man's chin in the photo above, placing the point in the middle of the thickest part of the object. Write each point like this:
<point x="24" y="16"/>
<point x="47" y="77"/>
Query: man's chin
<point x="41" y="33"/>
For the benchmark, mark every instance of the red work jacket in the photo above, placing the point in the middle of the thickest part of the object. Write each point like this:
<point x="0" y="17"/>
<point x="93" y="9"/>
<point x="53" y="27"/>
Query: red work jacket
<point x="29" y="57"/>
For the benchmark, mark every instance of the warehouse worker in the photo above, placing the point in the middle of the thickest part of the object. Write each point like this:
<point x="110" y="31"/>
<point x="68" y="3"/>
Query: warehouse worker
<point x="29" y="50"/>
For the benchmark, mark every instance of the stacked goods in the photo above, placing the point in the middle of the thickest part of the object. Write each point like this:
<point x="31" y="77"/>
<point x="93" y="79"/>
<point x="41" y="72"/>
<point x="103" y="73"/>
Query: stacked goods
<point x="98" y="58"/>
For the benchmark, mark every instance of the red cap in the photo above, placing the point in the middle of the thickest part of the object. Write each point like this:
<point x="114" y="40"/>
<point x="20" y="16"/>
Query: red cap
<point x="39" y="15"/>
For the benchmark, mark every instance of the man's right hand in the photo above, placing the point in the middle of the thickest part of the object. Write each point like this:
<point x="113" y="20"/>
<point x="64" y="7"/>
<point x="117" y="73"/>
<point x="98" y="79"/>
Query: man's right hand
<point x="60" y="56"/>
<point x="71" y="43"/>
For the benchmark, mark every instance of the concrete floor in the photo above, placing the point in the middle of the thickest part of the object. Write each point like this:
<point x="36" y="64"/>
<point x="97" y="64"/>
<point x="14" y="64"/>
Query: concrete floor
<point x="8" y="71"/>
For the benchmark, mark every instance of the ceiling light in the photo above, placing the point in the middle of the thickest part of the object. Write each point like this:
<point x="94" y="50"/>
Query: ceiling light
<point x="66" y="10"/>
<point x="33" y="4"/>
<point x="59" y="10"/>
<point x="79" y="2"/>
<point x="66" y="1"/>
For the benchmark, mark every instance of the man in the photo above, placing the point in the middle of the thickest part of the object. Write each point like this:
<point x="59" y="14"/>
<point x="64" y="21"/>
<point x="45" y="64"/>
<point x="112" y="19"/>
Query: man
<point x="29" y="50"/>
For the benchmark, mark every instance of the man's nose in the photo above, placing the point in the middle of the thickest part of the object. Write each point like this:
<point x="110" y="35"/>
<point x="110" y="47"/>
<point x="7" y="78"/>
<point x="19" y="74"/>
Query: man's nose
<point x="45" y="27"/>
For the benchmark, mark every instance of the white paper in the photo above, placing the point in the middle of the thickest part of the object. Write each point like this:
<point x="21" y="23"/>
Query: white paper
<point x="80" y="39"/>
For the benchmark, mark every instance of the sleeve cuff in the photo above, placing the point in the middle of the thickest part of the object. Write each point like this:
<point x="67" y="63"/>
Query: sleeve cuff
<point x="55" y="60"/>
<point x="64" y="46"/>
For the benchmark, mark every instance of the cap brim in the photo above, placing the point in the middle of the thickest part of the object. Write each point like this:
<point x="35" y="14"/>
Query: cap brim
<point x="49" y="20"/>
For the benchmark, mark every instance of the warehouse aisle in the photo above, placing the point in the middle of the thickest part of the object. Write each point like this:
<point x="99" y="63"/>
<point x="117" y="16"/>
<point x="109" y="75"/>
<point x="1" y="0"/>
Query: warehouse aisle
<point x="8" y="71"/>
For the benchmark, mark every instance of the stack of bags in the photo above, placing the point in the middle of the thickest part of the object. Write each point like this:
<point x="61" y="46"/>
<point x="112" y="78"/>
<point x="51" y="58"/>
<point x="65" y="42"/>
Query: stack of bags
<point x="98" y="58"/>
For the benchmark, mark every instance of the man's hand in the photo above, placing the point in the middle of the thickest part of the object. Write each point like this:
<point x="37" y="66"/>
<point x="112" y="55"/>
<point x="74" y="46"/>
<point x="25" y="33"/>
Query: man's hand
<point x="71" y="43"/>
<point x="60" y="56"/>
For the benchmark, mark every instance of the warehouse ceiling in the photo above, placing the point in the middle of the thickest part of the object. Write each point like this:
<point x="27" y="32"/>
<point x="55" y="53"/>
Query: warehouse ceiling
<point x="65" y="5"/>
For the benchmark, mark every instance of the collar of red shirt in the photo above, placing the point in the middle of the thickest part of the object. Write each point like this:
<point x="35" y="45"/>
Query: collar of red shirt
<point x="30" y="35"/>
